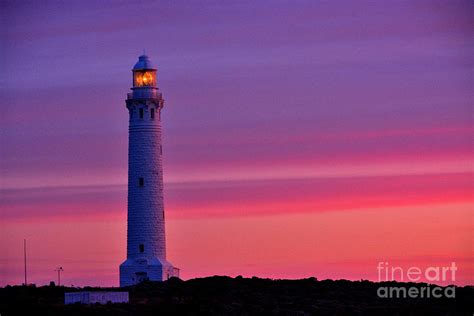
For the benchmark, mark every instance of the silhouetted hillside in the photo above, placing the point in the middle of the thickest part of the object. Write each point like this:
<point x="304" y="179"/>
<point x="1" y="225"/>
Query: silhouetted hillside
<point x="239" y="296"/>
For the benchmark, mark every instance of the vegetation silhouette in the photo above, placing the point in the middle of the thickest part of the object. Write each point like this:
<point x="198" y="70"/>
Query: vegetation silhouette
<point x="220" y="295"/>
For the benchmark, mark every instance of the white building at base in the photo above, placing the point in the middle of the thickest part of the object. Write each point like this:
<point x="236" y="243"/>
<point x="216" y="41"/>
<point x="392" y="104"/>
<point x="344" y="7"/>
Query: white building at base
<point x="146" y="242"/>
<point x="102" y="297"/>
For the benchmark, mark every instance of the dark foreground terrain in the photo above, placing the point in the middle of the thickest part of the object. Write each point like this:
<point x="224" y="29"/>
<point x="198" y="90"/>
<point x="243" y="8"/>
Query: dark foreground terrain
<point x="239" y="296"/>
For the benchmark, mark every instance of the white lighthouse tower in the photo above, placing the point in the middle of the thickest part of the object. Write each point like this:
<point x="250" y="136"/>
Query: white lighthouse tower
<point x="146" y="244"/>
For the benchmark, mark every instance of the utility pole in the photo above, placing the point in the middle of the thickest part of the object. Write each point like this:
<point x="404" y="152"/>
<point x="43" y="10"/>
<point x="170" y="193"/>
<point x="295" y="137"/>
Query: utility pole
<point x="59" y="270"/>
<point x="24" y="255"/>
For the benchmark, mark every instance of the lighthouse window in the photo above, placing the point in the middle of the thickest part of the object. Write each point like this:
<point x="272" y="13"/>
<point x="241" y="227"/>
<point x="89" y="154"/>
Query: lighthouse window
<point x="141" y="182"/>
<point x="141" y="247"/>
<point x="141" y="113"/>
<point x="152" y="112"/>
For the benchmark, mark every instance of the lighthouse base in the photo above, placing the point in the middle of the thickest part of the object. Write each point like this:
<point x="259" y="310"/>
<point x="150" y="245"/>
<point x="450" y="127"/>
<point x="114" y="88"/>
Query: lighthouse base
<point x="134" y="271"/>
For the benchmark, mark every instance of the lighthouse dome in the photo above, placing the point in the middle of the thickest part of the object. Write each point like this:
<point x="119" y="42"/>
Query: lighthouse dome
<point x="143" y="63"/>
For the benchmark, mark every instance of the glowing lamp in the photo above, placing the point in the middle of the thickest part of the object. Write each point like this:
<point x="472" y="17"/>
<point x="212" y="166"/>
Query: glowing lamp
<point x="144" y="73"/>
<point x="144" y="78"/>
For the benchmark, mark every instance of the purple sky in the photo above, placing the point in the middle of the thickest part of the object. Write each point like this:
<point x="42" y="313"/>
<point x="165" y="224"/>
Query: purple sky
<point x="254" y="90"/>
<point x="233" y="74"/>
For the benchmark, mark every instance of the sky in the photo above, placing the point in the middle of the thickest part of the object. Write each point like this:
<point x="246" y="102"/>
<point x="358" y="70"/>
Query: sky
<point x="300" y="138"/>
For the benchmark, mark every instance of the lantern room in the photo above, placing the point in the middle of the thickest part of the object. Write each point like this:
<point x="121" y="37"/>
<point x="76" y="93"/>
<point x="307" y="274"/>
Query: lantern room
<point x="144" y="73"/>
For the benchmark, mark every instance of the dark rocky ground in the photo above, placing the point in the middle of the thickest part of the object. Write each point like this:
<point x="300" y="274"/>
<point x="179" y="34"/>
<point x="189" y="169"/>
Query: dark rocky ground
<point x="239" y="296"/>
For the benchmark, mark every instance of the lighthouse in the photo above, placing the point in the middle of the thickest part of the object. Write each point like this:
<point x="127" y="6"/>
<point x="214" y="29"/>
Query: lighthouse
<point x="146" y="240"/>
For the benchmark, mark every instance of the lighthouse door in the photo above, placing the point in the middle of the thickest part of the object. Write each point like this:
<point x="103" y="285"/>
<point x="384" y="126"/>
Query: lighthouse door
<point x="141" y="276"/>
